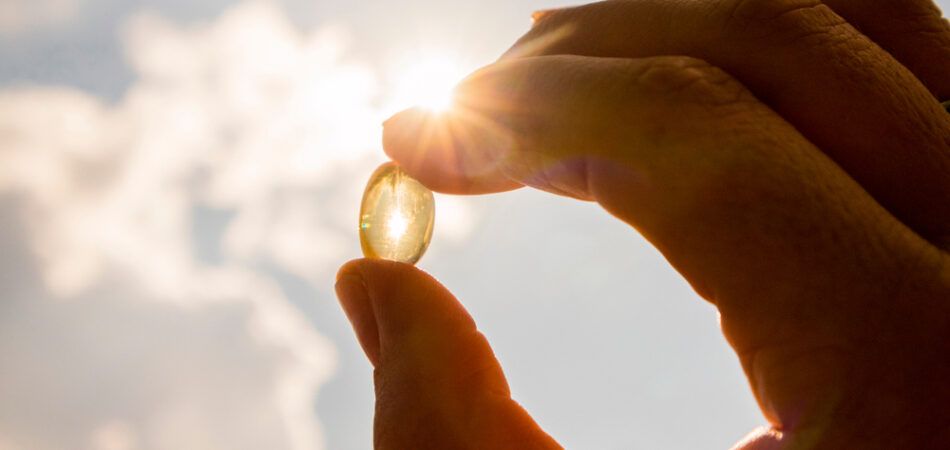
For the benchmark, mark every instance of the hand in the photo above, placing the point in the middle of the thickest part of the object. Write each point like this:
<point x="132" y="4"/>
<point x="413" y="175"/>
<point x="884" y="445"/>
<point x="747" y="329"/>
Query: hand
<point x="795" y="170"/>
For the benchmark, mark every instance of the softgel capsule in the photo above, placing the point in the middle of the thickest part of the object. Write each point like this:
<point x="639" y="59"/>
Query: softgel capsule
<point x="397" y="216"/>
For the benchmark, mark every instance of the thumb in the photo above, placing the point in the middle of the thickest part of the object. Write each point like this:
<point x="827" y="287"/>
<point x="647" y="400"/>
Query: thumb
<point x="438" y="384"/>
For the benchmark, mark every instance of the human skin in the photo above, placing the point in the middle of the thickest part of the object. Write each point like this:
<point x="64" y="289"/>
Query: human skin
<point x="791" y="160"/>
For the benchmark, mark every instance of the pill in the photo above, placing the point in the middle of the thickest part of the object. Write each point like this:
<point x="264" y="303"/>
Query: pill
<point x="396" y="216"/>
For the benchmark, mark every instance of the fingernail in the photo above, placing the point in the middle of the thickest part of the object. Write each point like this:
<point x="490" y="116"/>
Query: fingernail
<point x="541" y="14"/>
<point x="358" y="307"/>
<point x="402" y="131"/>
<point x="405" y="120"/>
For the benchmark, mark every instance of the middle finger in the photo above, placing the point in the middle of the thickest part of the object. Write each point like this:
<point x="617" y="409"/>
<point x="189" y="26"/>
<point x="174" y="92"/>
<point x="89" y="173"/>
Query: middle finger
<point x="846" y="94"/>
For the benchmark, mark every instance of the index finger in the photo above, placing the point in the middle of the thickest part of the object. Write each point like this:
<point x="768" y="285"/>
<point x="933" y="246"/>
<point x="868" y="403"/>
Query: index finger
<point x="788" y="247"/>
<point x="847" y="95"/>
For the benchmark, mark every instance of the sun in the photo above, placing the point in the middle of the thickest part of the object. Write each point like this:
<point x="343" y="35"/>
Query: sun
<point x="428" y="82"/>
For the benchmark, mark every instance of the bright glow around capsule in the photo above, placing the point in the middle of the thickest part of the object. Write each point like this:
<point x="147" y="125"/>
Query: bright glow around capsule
<point x="428" y="82"/>
<point x="396" y="226"/>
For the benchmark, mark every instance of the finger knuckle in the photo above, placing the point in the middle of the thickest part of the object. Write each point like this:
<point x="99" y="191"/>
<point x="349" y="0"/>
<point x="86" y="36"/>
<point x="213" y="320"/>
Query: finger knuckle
<point x="571" y="29"/>
<point x="692" y="80"/>
<point x="905" y="16"/>
<point x="581" y="13"/>
<point x="781" y="21"/>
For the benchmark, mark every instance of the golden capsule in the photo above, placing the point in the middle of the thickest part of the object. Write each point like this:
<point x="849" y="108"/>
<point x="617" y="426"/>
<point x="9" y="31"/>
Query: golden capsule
<point x="396" y="217"/>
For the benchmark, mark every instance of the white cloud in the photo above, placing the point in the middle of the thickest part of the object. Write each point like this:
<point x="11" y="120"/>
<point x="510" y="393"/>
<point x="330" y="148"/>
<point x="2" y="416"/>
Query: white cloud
<point x="114" y="435"/>
<point x="166" y="349"/>
<point x="136" y="339"/>
<point x="245" y="114"/>
<point x="108" y="370"/>
<point x="17" y="16"/>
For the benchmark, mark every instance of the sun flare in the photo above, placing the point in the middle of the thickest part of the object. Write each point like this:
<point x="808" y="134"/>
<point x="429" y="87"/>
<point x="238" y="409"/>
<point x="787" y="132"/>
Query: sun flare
<point x="428" y="82"/>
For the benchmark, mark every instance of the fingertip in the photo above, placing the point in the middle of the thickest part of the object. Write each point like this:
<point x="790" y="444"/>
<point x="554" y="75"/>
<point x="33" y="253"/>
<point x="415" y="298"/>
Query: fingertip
<point x="382" y="299"/>
<point x="358" y="306"/>
<point x="446" y="152"/>
<point x="374" y="271"/>
<point x="404" y="132"/>
<point x="407" y="301"/>
<point x="431" y="359"/>
<point x="419" y="143"/>
<point x="391" y="282"/>
<point x="349" y="268"/>
<point x="762" y="438"/>
<point x="540" y="14"/>
<point x="401" y="126"/>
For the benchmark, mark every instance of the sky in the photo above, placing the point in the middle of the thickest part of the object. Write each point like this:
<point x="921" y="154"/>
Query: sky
<point x="180" y="180"/>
